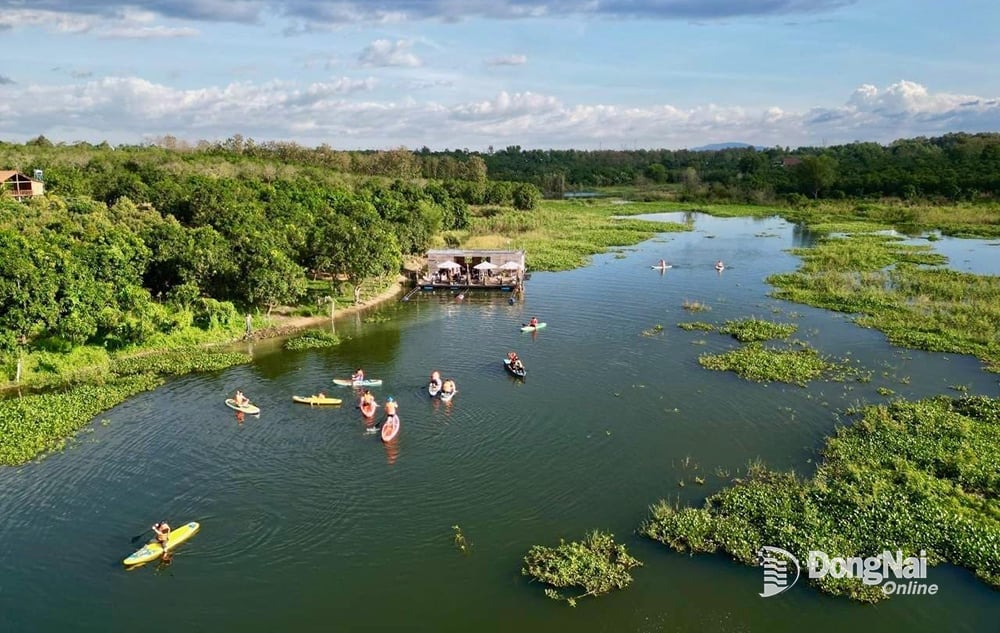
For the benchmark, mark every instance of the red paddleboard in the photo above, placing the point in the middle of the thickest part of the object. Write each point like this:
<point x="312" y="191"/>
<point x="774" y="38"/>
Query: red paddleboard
<point x="390" y="429"/>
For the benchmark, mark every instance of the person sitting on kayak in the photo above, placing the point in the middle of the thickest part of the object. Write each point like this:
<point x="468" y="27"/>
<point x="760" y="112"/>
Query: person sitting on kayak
<point x="358" y="376"/>
<point x="533" y="322"/>
<point x="162" y="532"/>
<point x="511" y="356"/>
<point x="321" y="395"/>
<point x="448" y="386"/>
<point x="368" y="398"/>
<point x="436" y="380"/>
<point x="517" y="365"/>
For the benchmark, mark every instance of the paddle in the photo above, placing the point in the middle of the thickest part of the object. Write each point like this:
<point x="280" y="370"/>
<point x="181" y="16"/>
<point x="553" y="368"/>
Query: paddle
<point x="138" y="536"/>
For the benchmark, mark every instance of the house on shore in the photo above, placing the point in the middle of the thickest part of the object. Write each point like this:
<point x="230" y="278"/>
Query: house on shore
<point x="20" y="186"/>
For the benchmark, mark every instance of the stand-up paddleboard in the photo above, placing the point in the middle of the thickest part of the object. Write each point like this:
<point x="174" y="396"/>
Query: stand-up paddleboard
<point x="390" y="429"/>
<point x="153" y="550"/>
<point x="662" y="267"/>
<point x="316" y="400"/>
<point x="448" y="395"/>
<point x="519" y="373"/>
<point x="246" y="408"/>
<point x="368" y="411"/>
<point x="367" y="382"/>
<point x="532" y="328"/>
<point x="433" y="388"/>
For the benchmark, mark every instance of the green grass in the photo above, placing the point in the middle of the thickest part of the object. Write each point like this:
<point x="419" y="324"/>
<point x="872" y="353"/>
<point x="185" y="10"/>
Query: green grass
<point x="889" y="287"/>
<point x="910" y="476"/>
<point x="562" y="235"/>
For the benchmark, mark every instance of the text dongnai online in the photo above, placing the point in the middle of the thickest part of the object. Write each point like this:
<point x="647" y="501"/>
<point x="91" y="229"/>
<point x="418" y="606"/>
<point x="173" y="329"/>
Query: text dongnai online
<point x="874" y="570"/>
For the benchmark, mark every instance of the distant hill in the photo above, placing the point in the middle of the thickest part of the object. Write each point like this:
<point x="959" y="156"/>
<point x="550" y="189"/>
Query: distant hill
<point x="717" y="146"/>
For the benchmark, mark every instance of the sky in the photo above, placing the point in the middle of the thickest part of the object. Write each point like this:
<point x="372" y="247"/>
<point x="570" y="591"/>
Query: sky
<point x="474" y="74"/>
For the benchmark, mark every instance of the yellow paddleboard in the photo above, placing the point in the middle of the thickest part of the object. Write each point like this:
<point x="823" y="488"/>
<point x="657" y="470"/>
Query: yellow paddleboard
<point x="316" y="400"/>
<point x="152" y="550"/>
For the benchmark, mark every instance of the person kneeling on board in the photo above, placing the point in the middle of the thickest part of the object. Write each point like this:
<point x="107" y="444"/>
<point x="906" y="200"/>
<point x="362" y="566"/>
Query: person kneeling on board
<point x="390" y="408"/>
<point x="162" y="532"/>
<point x="533" y="322"/>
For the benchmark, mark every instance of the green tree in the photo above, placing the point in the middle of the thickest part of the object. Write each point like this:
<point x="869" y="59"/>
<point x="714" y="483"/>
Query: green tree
<point x="816" y="173"/>
<point x="526" y="196"/>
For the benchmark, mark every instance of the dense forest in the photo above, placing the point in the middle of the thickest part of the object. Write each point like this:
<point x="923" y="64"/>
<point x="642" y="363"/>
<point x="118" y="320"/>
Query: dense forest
<point x="130" y="242"/>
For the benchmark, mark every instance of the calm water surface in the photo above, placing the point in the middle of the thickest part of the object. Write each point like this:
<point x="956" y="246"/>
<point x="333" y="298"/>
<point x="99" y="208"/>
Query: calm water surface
<point x="311" y="524"/>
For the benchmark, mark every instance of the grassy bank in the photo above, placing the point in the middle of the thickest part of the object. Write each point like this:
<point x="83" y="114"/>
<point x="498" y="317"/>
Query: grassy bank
<point x="562" y="234"/>
<point x="908" y="476"/>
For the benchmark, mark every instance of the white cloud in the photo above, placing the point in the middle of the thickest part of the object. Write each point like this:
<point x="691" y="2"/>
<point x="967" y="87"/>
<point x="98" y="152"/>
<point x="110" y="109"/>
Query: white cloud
<point x="125" y="23"/>
<point x="147" y="32"/>
<point x="308" y="15"/>
<point x="508" y="60"/>
<point x="388" y="53"/>
<point x="128" y="109"/>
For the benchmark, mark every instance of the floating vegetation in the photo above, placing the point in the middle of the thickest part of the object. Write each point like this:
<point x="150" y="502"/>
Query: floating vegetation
<point x="961" y="388"/>
<point x="885" y="391"/>
<point x="763" y="364"/>
<point x="36" y="424"/>
<point x="312" y="339"/>
<point x="380" y="317"/>
<point x="696" y="306"/>
<point x="596" y="565"/>
<point x="178" y="363"/>
<point x="696" y="325"/>
<point x="909" y="475"/>
<point x="653" y="331"/>
<point x="459" y="539"/>
<point x="746" y="330"/>
<point x="890" y="287"/>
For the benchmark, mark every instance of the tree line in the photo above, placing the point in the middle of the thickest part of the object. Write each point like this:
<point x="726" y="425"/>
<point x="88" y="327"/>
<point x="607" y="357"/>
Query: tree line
<point x="956" y="167"/>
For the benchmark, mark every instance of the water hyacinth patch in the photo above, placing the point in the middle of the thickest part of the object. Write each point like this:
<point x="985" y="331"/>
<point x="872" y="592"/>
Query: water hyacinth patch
<point x="596" y="565"/>
<point x="909" y="476"/>
<point x="747" y="330"/>
<point x="312" y="339"/>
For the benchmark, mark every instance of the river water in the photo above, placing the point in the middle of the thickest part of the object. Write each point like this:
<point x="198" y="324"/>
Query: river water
<point x="311" y="524"/>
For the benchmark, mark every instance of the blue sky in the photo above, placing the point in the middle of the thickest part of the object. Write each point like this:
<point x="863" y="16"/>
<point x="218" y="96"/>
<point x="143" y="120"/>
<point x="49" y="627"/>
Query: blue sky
<point x="474" y="73"/>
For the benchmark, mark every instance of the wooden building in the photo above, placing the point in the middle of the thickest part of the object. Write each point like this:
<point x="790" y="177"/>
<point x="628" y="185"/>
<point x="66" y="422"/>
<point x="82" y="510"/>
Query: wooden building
<point x="467" y="269"/>
<point x="20" y="186"/>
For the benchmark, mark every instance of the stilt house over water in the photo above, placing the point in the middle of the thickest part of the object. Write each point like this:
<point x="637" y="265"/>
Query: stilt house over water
<point x="458" y="268"/>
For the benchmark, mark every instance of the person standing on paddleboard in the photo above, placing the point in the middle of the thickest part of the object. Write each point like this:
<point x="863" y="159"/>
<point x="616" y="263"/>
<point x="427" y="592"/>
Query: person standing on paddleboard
<point x="162" y="532"/>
